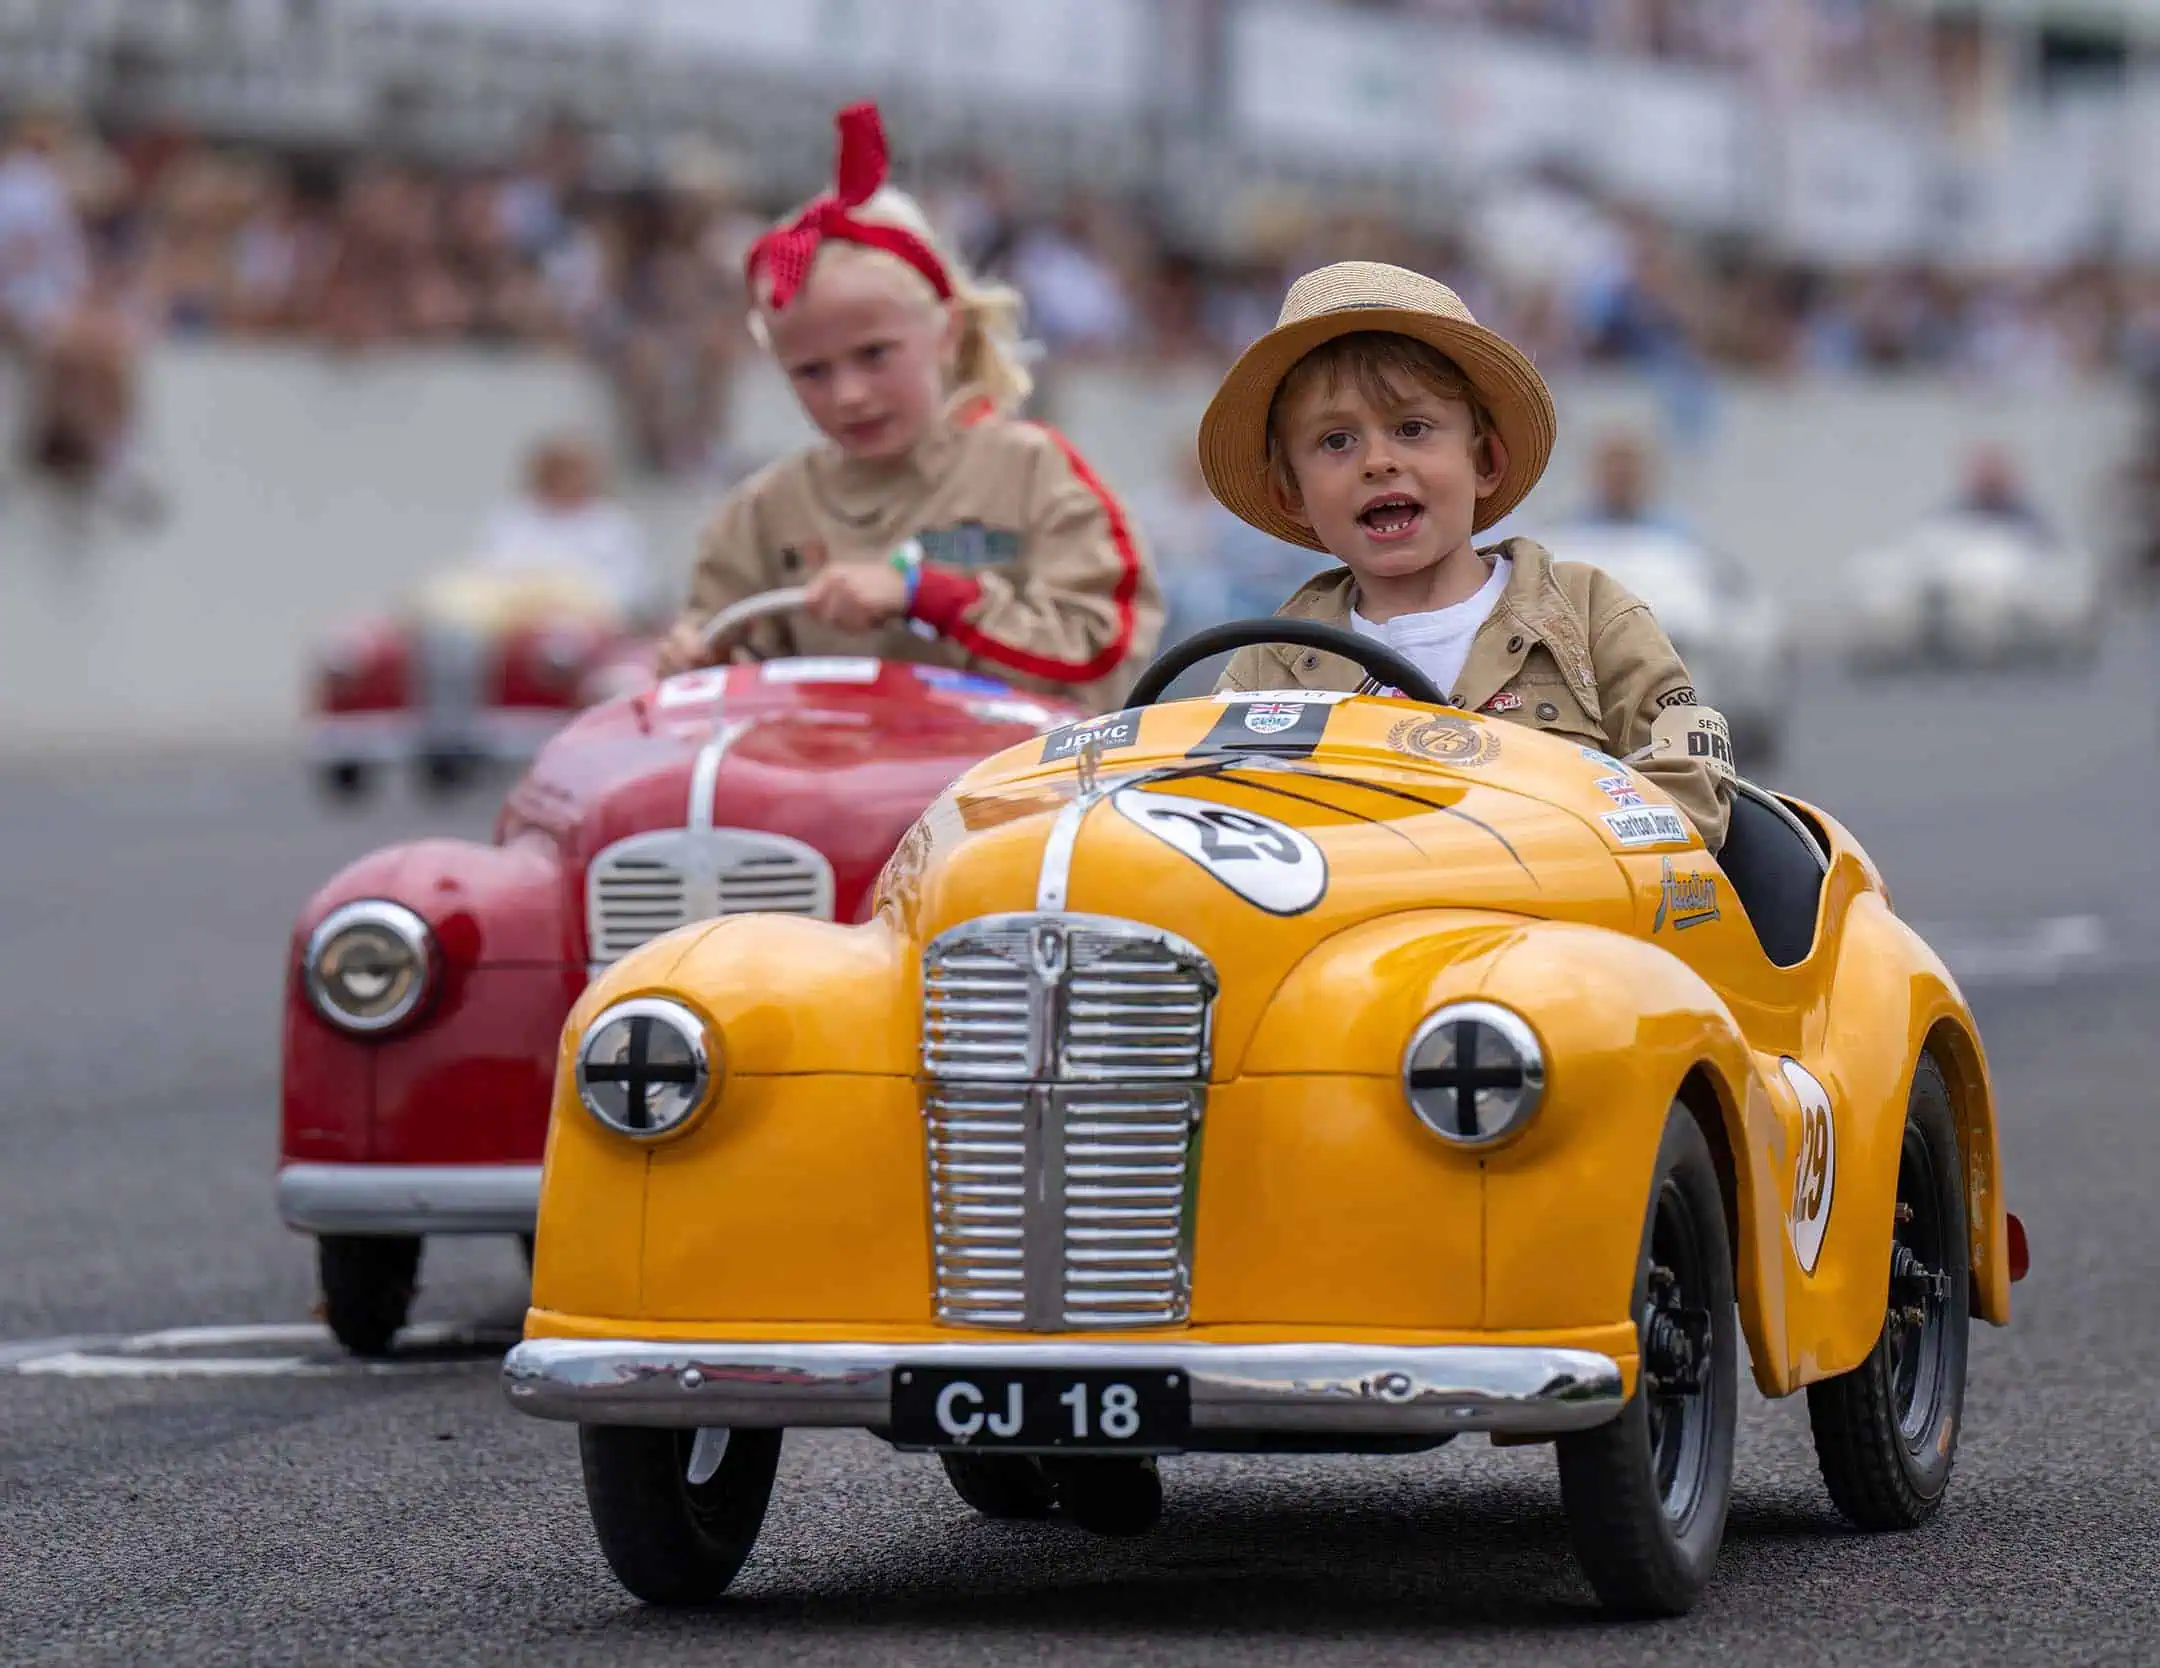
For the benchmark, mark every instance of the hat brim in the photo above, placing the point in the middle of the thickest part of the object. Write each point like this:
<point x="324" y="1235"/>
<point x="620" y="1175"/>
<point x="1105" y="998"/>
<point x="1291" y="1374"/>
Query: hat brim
<point x="1234" y="439"/>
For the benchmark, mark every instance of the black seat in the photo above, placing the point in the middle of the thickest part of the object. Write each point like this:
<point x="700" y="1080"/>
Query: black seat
<point x="1776" y="870"/>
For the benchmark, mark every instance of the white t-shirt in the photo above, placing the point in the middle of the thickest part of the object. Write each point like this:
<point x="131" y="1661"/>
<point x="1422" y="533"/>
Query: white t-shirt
<point x="1438" y="642"/>
<point x="600" y="540"/>
<point x="43" y="265"/>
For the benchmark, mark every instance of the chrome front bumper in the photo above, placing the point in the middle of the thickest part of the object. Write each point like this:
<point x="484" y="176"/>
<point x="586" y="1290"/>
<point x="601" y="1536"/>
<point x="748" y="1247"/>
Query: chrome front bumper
<point x="409" y="1198"/>
<point x="1349" y="1390"/>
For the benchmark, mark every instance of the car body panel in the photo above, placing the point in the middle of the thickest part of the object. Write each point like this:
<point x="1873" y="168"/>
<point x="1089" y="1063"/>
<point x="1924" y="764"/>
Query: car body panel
<point x="1973" y="590"/>
<point x="845" y="767"/>
<point x="475" y="664"/>
<point x="1463" y="859"/>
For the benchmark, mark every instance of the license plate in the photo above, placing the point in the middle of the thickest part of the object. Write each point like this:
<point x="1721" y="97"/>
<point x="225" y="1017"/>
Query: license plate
<point x="1041" y="1409"/>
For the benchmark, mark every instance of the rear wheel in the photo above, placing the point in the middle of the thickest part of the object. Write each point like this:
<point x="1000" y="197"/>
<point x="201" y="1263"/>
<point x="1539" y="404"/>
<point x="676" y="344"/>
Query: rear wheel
<point x="672" y="1540"/>
<point x="368" y="1284"/>
<point x="1108" y="1495"/>
<point x="346" y="779"/>
<point x="440" y="774"/>
<point x="1000" y="1485"/>
<point x="1886" y="1432"/>
<point x="1646" y="1493"/>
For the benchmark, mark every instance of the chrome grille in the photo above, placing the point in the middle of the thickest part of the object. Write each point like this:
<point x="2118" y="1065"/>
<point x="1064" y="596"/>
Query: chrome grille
<point x="978" y="1204"/>
<point x="1066" y="1058"/>
<point x="1121" y="1003"/>
<point x="651" y="884"/>
<point x="1128" y="1156"/>
<point x="1136" y="1013"/>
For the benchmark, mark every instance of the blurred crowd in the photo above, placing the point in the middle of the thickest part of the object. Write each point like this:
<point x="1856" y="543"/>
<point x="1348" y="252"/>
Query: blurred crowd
<point x="108" y="240"/>
<point x="1849" y="43"/>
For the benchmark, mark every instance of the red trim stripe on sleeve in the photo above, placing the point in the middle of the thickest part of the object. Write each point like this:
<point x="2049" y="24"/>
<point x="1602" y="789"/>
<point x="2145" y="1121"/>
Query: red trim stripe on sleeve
<point x="977" y="642"/>
<point x="942" y="596"/>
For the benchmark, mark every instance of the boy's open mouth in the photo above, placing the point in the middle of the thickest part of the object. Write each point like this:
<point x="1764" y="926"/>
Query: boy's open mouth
<point x="1391" y="517"/>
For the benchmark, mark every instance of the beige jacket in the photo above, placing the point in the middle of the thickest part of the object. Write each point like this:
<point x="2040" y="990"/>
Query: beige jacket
<point x="1567" y="649"/>
<point x="1033" y="572"/>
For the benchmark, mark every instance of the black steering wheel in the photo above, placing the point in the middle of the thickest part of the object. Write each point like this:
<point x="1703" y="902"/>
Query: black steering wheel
<point x="1377" y="660"/>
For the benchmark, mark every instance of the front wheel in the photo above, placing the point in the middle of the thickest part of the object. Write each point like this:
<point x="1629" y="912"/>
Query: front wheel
<point x="671" y="1540"/>
<point x="368" y="1284"/>
<point x="1886" y="1432"/>
<point x="345" y="779"/>
<point x="1646" y="1494"/>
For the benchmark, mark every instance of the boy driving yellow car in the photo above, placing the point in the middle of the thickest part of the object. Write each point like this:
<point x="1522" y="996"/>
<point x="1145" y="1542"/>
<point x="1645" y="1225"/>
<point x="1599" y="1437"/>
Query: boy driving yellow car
<point x="1379" y="422"/>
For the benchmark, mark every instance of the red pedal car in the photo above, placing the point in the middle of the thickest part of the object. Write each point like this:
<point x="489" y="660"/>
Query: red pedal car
<point x="428" y="983"/>
<point x="479" y="667"/>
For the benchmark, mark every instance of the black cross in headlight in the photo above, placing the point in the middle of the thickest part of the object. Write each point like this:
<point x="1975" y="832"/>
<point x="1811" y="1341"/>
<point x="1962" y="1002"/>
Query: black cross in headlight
<point x="1463" y="1077"/>
<point x="638" y="1071"/>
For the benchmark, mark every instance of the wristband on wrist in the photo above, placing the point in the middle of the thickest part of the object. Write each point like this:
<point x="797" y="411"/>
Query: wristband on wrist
<point x="908" y="559"/>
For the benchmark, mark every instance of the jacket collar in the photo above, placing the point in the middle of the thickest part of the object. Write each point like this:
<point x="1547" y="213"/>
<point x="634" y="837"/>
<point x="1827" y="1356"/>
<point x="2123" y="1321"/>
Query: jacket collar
<point x="1531" y="610"/>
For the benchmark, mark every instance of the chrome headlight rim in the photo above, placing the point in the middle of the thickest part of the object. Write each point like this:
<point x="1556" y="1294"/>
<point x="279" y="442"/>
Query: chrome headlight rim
<point x="1521" y="1037"/>
<point x="701" y="1044"/>
<point x="403" y="925"/>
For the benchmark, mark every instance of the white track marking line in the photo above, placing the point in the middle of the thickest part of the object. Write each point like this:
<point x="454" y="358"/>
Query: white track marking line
<point x="134" y="1355"/>
<point x="2038" y="952"/>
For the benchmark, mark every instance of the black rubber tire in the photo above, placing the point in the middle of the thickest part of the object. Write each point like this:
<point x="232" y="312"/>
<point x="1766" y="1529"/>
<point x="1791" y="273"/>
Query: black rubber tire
<point x="1639" y="1560"/>
<point x="368" y="1285"/>
<point x="346" y="779"/>
<point x="1108" y="1495"/>
<point x="668" y="1542"/>
<point x="1879" y="1477"/>
<point x="525" y="1246"/>
<point x="439" y="775"/>
<point x="1004" y="1486"/>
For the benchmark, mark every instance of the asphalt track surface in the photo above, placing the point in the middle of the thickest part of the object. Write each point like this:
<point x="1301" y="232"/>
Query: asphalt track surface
<point x="325" y="1515"/>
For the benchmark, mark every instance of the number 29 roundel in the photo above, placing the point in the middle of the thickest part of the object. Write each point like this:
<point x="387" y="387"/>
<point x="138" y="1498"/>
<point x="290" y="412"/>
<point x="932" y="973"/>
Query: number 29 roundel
<point x="1264" y="862"/>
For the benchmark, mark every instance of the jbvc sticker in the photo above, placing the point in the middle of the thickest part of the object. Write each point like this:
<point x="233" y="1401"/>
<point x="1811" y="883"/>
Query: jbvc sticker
<point x="1262" y="861"/>
<point x="1815" y="1175"/>
<point x="1108" y="732"/>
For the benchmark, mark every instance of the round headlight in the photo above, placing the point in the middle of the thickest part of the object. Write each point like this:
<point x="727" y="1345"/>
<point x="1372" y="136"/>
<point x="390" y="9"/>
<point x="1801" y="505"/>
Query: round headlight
<point x="369" y="965"/>
<point x="644" y="1067"/>
<point x="1474" y="1072"/>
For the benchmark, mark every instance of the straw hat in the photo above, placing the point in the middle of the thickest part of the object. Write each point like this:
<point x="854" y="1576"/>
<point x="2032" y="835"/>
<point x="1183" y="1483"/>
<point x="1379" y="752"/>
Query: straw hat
<point x="1366" y="295"/>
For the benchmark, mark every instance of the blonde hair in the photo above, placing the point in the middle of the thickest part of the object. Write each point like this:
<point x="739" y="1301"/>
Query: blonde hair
<point x="1380" y="364"/>
<point x="989" y="363"/>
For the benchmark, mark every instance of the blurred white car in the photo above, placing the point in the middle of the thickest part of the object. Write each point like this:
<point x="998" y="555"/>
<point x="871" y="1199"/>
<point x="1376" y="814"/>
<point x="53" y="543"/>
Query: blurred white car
<point x="1727" y="628"/>
<point x="1973" y="590"/>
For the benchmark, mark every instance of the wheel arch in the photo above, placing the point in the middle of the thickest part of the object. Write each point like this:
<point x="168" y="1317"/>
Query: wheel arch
<point x="1955" y="1048"/>
<point x="1718" y="1105"/>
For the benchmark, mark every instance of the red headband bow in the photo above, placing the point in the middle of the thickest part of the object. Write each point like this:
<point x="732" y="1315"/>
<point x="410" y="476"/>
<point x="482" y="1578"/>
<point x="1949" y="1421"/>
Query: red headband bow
<point x="787" y="252"/>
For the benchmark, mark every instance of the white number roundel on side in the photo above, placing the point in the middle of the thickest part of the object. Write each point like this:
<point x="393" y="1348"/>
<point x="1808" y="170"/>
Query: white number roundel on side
<point x="1262" y="861"/>
<point x="1815" y="1174"/>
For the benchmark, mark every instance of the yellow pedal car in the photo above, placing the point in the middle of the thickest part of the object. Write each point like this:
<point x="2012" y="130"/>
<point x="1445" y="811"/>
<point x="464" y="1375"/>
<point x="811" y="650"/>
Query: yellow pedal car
<point x="1281" y="1072"/>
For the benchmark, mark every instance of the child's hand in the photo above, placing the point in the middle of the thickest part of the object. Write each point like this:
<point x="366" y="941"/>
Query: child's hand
<point x="681" y="650"/>
<point x="857" y="596"/>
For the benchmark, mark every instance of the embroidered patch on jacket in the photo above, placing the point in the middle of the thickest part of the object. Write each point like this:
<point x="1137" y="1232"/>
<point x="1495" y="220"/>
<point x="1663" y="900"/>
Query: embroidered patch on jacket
<point x="970" y="544"/>
<point x="1506" y="701"/>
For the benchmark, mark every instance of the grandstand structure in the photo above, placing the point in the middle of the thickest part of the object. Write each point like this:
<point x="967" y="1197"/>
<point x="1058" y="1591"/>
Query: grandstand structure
<point x="1192" y="103"/>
